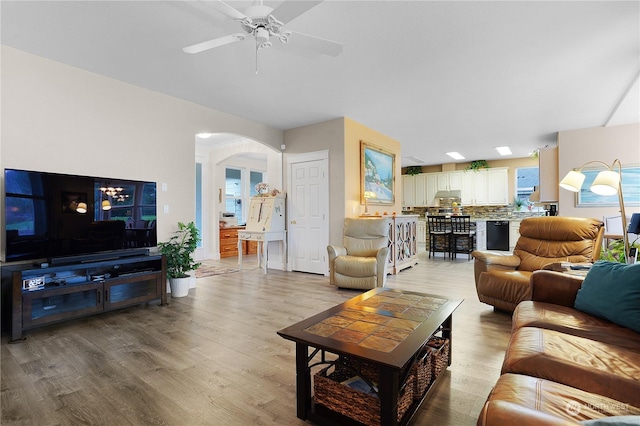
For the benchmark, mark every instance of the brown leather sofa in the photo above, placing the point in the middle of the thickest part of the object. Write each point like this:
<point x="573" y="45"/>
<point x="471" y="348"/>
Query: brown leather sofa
<point x="564" y="366"/>
<point x="502" y="279"/>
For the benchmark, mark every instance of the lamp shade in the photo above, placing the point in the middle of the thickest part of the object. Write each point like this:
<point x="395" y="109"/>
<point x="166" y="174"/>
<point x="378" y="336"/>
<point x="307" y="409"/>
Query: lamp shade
<point x="606" y="183"/>
<point x="535" y="195"/>
<point x="572" y="181"/>
<point x="106" y="205"/>
<point x="82" y="208"/>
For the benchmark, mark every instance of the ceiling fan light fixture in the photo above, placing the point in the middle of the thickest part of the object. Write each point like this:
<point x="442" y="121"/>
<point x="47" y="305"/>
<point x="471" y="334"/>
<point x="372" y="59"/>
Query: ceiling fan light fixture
<point x="262" y="37"/>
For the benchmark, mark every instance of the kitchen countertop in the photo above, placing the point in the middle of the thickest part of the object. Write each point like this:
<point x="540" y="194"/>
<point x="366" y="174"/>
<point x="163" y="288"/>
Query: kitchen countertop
<point x="513" y="218"/>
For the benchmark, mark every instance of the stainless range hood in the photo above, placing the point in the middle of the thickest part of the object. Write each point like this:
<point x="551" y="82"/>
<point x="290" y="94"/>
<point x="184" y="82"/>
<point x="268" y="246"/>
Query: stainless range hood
<point x="454" y="193"/>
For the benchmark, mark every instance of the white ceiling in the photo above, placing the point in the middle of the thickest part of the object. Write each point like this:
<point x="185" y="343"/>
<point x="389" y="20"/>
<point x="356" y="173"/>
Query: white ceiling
<point x="436" y="76"/>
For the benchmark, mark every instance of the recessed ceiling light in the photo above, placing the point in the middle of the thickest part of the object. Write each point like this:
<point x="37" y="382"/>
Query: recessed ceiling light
<point x="455" y="155"/>
<point x="503" y="150"/>
<point x="204" y="135"/>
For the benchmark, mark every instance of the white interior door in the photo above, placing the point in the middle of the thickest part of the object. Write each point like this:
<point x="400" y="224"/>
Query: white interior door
<point x="308" y="212"/>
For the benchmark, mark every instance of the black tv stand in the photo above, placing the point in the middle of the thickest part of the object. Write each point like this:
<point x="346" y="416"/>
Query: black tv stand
<point x="33" y="296"/>
<point x="101" y="256"/>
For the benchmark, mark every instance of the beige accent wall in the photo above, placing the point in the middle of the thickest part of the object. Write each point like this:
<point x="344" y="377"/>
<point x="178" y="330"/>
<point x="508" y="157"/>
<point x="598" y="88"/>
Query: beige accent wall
<point x="576" y="147"/>
<point x="354" y="133"/>
<point x="62" y="119"/>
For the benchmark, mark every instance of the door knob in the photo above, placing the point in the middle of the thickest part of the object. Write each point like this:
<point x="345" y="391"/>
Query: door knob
<point x="293" y="222"/>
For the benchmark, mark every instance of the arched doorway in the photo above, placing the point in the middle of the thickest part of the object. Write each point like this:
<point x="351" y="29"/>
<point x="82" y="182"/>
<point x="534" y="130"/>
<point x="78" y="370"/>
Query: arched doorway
<point x="213" y="155"/>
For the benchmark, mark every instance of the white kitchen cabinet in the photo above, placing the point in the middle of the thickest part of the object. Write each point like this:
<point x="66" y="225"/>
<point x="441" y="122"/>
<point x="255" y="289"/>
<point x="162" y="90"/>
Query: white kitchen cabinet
<point x="420" y="191"/>
<point x="514" y="233"/>
<point x="485" y="187"/>
<point x="467" y="196"/>
<point x="431" y="184"/>
<point x="408" y="191"/>
<point x="443" y="181"/>
<point x="455" y="180"/>
<point x="448" y="181"/>
<point x="480" y="188"/>
<point x="498" y="186"/>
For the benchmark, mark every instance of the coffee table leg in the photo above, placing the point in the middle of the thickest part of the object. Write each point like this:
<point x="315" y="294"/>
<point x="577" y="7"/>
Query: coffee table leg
<point x="388" y="393"/>
<point x="303" y="381"/>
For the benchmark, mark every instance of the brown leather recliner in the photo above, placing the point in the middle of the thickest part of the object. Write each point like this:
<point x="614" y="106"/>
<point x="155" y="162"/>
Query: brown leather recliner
<point x="502" y="280"/>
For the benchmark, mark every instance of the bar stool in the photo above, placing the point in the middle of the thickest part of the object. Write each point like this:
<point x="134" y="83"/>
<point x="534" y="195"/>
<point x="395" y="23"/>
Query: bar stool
<point x="462" y="237"/>
<point x="439" y="235"/>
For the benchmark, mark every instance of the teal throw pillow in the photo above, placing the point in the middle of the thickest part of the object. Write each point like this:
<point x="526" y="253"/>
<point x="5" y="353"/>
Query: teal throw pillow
<point x="611" y="290"/>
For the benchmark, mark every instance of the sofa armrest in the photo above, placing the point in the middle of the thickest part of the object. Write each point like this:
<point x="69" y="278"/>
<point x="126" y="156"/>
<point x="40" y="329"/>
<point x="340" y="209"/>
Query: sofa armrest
<point x="499" y="259"/>
<point x="488" y="260"/>
<point x="555" y="287"/>
<point x="382" y="259"/>
<point x="501" y="413"/>
<point x="334" y="251"/>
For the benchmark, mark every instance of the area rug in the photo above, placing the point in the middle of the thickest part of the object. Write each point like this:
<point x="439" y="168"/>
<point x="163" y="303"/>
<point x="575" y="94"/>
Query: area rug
<point x="209" y="270"/>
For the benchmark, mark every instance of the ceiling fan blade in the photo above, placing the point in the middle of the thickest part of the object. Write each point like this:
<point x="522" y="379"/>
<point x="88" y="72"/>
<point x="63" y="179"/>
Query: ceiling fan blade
<point x="216" y="42"/>
<point x="320" y="45"/>
<point x="230" y="11"/>
<point x="289" y="10"/>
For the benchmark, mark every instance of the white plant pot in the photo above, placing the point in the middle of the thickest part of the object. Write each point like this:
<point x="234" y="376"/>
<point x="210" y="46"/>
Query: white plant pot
<point x="179" y="286"/>
<point x="192" y="283"/>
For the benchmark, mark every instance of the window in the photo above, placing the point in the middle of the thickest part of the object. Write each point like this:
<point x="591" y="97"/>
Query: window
<point x="526" y="179"/>
<point x="233" y="192"/>
<point x="239" y="187"/>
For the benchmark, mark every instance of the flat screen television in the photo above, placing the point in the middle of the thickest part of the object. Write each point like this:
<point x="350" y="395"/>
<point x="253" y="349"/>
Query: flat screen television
<point x="52" y="215"/>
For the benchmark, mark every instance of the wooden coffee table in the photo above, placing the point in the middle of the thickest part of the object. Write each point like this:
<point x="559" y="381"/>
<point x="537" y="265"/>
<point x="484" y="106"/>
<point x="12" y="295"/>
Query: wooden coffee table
<point x="383" y="327"/>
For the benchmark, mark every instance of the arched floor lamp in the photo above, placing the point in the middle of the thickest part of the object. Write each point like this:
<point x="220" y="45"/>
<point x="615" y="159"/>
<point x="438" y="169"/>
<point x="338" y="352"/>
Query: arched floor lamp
<point x="608" y="182"/>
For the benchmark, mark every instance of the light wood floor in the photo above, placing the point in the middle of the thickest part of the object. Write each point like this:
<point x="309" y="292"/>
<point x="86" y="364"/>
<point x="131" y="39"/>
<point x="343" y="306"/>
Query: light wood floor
<point x="214" y="358"/>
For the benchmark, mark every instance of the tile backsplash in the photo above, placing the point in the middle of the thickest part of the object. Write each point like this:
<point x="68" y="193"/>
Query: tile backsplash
<point x="497" y="212"/>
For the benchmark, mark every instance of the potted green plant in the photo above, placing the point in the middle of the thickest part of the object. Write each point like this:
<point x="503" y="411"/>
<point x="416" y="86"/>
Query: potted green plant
<point x="414" y="170"/>
<point x="179" y="253"/>
<point x="614" y="252"/>
<point x="477" y="165"/>
<point x="518" y="203"/>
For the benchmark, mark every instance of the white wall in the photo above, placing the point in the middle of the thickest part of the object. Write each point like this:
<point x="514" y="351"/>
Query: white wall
<point x="62" y="119"/>
<point x="576" y="147"/>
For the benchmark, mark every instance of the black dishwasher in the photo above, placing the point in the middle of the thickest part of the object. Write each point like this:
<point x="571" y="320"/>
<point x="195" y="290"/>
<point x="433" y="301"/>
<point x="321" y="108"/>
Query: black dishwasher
<point x="498" y="235"/>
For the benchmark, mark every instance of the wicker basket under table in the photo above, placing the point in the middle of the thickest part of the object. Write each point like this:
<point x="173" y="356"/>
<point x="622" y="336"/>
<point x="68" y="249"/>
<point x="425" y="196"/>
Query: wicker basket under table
<point x="329" y="391"/>
<point x="439" y="350"/>
<point x="421" y="370"/>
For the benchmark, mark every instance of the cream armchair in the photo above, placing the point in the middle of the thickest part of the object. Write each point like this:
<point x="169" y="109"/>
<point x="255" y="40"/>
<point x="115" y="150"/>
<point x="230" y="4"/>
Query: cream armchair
<point x="361" y="262"/>
<point x="502" y="279"/>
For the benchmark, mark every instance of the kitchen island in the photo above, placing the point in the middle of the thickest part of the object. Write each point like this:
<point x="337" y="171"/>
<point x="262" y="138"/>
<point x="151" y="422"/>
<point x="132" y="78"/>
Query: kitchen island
<point x="510" y="231"/>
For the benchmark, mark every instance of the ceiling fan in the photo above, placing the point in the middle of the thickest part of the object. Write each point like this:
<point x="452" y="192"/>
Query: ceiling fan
<point x="260" y="22"/>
